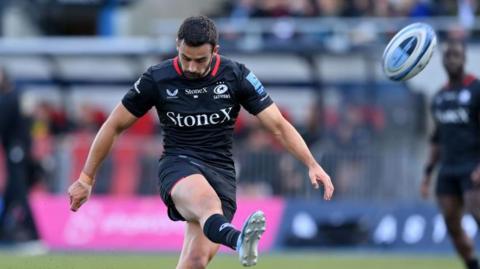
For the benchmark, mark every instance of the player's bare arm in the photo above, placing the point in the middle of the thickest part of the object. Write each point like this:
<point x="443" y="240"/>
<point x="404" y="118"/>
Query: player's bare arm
<point x="119" y="120"/>
<point x="433" y="158"/>
<point x="273" y="120"/>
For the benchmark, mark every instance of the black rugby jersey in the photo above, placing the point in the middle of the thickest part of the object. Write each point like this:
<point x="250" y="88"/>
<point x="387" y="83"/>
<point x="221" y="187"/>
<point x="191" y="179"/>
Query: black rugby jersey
<point x="198" y="116"/>
<point x="456" y="112"/>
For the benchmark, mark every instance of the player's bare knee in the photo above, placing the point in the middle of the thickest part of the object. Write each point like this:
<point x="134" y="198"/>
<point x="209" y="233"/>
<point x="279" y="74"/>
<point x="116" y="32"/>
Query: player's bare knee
<point x="201" y="206"/>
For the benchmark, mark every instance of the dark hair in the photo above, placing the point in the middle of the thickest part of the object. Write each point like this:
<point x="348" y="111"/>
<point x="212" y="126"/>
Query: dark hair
<point x="198" y="30"/>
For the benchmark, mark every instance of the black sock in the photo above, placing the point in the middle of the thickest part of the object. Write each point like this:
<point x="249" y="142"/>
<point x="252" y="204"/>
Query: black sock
<point x="220" y="231"/>
<point x="472" y="264"/>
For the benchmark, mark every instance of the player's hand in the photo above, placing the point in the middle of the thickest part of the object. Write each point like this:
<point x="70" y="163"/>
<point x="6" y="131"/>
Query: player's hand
<point x="318" y="175"/>
<point x="476" y="175"/>
<point x="79" y="192"/>
<point x="425" y="187"/>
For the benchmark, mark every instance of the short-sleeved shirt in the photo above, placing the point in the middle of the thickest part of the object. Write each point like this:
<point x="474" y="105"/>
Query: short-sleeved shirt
<point x="198" y="116"/>
<point x="456" y="113"/>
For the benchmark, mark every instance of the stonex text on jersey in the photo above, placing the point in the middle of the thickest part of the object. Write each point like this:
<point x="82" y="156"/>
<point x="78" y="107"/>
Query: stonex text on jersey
<point x="200" y="119"/>
<point x="198" y="116"/>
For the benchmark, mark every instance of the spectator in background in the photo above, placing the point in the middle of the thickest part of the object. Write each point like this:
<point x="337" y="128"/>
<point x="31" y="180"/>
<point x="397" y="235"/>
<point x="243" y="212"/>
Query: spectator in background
<point x="412" y="8"/>
<point x="330" y="8"/>
<point x="352" y="8"/>
<point x="90" y="118"/>
<point x="445" y="7"/>
<point x="55" y="119"/>
<point x="302" y="8"/>
<point x="16" y="220"/>
<point x="272" y="8"/>
<point x="359" y="8"/>
<point x="260" y="167"/>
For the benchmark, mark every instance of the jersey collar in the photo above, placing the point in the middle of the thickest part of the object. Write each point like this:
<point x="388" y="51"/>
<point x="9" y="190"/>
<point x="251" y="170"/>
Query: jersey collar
<point x="215" y="63"/>
<point x="467" y="80"/>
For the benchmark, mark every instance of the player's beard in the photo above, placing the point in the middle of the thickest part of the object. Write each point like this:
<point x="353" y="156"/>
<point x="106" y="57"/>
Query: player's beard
<point x="191" y="75"/>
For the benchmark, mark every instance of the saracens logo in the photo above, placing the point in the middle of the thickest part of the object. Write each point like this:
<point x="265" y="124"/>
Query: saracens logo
<point x="204" y="119"/>
<point x="220" y="91"/>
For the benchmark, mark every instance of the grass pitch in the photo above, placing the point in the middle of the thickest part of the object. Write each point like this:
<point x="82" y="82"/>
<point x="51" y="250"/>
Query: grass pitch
<point x="273" y="261"/>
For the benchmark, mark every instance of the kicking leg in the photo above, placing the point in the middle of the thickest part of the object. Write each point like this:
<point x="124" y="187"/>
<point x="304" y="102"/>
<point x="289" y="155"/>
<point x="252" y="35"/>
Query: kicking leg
<point x="197" y="201"/>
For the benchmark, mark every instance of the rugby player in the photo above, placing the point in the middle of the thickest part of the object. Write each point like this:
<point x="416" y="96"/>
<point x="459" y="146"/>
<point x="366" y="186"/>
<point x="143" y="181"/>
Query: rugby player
<point x="455" y="148"/>
<point x="197" y="96"/>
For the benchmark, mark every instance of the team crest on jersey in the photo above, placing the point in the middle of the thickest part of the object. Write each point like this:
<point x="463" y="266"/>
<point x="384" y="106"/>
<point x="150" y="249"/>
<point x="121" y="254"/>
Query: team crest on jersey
<point x="464" y="96"/>
<point x="220" y="89"/>
<point x="172" y="93"/>
<point x="220" y="92"/>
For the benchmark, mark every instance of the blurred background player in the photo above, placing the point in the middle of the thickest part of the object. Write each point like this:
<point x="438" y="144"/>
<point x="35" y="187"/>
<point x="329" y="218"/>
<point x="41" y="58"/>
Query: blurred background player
<point x="455" y="148"/>
<point x="16" y="220"/>
<point x="197" y="96"/>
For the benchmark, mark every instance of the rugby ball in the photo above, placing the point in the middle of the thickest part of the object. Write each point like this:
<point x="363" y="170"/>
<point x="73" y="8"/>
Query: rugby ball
<point x="409" y="51"/>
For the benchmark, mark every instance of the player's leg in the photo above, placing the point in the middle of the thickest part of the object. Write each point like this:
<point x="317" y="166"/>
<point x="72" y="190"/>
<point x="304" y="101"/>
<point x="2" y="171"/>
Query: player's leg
<point x="451" y="207"/>
<point x="197" y="249"/>
<point x="472" y="205"/>
<point x="197" y="201"/>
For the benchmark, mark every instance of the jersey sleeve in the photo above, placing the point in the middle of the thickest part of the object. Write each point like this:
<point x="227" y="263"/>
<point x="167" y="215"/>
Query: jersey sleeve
<point x="142" y="96"/>
<point x="252" y="94"/>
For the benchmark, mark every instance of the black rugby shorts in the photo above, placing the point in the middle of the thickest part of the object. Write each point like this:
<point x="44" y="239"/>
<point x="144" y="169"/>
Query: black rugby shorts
<point x="173" y="169"/>
<point x="454" y="184"/>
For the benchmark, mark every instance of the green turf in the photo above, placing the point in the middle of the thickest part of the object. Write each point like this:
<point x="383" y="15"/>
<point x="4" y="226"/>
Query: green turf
<point x="276" y="261"/>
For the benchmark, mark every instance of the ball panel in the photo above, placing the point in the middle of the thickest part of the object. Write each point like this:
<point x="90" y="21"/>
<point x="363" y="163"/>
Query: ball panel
<point x="401" y="53"/>
<point x="422" y="59"/>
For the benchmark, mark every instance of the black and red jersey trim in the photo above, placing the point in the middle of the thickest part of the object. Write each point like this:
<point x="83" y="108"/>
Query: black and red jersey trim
<point x="177" y="66"/>
<point x="217" y="65"/>
<point x="214" y="72"/>
<point x="467" y="80"/>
